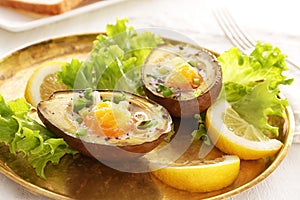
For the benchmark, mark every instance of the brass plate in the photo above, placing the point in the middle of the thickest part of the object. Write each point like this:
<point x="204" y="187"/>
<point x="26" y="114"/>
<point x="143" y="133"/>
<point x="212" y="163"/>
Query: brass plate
<point x="85" y="178"/>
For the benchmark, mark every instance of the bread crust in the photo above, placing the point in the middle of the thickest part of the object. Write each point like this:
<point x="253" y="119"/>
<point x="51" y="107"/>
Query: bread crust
<point x="42" y="8"/>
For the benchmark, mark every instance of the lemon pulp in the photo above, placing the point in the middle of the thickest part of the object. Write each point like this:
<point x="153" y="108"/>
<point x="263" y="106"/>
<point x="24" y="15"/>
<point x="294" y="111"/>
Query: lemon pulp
<point x="233" y="135"/>
<point x="43" y="82"/>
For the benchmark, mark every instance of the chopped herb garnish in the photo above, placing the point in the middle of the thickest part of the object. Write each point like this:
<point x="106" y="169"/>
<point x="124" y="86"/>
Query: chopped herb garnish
<point x="119" y="97"/>
<point x="81" y="132"/>
<point x="79" y="104"/>
<point x="79" y="120"/>
<point x="146" y="124"/>
<point x="89" y="103"/>
<point x="201" y="133"/>
<point x="83" y="111"/>
<point x="83" y="101"/>
<point x="197" y="92"/>
<point x="163" y="70"/>
<point x="88" y="94"/>
<point x="193" y="63"/>
<point x="160" y="88"/>
<point x="167" y="92"/>
<point x="151" y="75"/>
<point x="196" y="81"/>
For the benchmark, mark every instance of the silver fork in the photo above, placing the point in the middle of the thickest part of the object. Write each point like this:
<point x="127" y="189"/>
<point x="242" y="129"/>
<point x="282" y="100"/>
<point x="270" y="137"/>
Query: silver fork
<point x="246" y="44"/>
<point x="235" y="34"/>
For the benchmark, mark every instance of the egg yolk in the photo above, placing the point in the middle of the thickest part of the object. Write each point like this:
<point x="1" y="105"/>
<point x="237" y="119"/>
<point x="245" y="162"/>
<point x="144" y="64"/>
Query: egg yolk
<point x="184" y="77"/>
<point x="113" y="120"/>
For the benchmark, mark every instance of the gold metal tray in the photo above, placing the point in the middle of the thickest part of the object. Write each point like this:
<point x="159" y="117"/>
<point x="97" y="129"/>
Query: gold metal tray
<point x="80" y="177"/>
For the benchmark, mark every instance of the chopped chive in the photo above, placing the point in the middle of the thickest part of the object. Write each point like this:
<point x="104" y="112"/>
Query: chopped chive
<point x="193" y="63"/>
<point x="146" y="124"/>
<point x="197" y="92"/>
<point x="88" y="94"/>
<point x="151" y="75"/>
<point x="89" y="103"/>
<point x="79" y="120"/>
<point x="163" y="70"/>
<point x="160" y="88"/>
<point x="167" y="92"/>
<point x="83" y="111"/>
<point x="196" y="81"/>
<point x="79" y="104"/>
<point x="81" y="132"/>
<point x="119" y="97"/>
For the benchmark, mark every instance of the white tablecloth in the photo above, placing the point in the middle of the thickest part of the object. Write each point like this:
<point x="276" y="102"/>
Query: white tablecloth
<point x="271" y="21"/>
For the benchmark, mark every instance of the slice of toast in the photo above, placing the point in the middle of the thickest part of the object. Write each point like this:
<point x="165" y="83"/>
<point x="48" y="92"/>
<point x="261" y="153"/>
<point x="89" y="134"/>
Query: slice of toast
<point x="47" y="7"/>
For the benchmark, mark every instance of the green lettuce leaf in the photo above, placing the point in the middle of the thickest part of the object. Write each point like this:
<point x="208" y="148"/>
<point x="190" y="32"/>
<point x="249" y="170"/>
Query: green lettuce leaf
<point x="114" y="62"/>
<point x="264" y="63"/>
<point x="251" y="84"/>
<point x="258" y="105"/>
<point x="4" y="108"/>
<point x="24" y="135"/>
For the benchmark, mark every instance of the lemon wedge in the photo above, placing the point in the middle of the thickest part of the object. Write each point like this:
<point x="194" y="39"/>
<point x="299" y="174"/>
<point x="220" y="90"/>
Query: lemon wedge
<point x="235" y="136"/>
<point x="43" y="82"/>
<point x="202" y="176"/>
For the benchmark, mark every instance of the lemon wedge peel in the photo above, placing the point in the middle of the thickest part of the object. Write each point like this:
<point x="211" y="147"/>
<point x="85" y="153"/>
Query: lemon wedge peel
<point x="33" y="91"/>
<point x="229" y="142"/>
<point x="207" y="177"/>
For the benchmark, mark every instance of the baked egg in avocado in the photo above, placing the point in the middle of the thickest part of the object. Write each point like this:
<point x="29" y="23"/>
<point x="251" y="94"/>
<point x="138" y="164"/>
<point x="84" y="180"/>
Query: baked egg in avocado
<point x="106" y="124"/>
<point x="183" y="78"/>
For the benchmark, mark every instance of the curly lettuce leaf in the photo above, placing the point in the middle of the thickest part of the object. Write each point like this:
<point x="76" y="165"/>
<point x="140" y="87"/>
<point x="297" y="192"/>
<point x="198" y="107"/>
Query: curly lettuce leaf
<point x="114" y="62"/>
<point x="264" y="63"/>
<point x="251" y="84"/>
<point x="24" y="135"/>
<point x="258" y="105"/>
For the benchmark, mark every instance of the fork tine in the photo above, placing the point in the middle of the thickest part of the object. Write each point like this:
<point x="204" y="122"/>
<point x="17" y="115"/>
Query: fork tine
<point x="245" y="38"/>
<point x="233" y="32"/>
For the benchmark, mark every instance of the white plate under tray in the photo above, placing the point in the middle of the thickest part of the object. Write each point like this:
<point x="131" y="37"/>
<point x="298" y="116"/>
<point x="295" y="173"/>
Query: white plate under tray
<point x="15" y="20"/>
